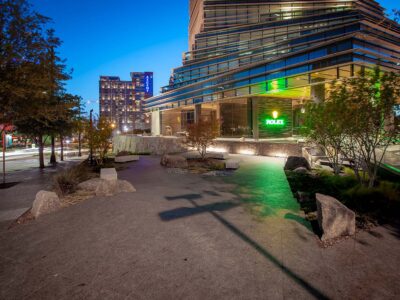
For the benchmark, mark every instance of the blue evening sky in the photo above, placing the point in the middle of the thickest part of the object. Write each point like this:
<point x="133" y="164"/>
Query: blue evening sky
<point x="103" y="37"/>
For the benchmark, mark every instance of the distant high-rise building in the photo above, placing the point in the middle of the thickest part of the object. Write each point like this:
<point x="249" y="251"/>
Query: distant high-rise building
<point x="121" y="102"/>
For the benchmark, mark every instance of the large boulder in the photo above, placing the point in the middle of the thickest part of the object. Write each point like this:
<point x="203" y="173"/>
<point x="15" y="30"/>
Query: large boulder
<point x="295" y="162"/>
<point x="334" y="218"/>
<point x="174" y="161"/>
<point x="104" y="188"/>
<point x="45" y="203"/>
<point x="90" y="185"/>
<point x="107" y="188"/>
<point x="125" y="186"/>
<point x="301" y="170"/>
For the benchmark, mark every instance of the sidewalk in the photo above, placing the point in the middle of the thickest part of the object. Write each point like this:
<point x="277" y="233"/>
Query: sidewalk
<point x="16" y="200"/>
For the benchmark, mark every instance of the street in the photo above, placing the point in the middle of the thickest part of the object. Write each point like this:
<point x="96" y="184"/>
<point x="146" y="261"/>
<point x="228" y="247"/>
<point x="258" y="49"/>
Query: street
<point x="23" y="159"/>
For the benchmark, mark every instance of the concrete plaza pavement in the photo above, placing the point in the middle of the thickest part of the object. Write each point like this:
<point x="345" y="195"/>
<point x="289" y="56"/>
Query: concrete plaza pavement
<point x="184" y="236"/>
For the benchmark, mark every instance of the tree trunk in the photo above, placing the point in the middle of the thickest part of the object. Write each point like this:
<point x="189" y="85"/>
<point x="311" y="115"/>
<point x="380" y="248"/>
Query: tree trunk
<point x="53" y="159"/>
<point x="41" y="155"/>
<point x="61" y="148"/>
<point x="80" y="144"/>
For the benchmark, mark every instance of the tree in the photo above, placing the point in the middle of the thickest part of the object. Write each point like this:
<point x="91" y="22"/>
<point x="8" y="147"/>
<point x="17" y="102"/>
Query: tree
<point x="56" y="76"/>
<point x="79" y="122"/>
<point x="68" y="113"/>
<point x="359" y="120"/>
<point x="21" y="41"/>
<point x="31" y="73"/>
<point x="326" y="126"/>
<point x="99" y="137"/>
<point x="372" y="126"/>
<point x="201" y="135"/>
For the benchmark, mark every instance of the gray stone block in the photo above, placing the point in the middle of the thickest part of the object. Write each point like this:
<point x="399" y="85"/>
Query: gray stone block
<point x="334" y="218"/>
<point x="109" y="174"/>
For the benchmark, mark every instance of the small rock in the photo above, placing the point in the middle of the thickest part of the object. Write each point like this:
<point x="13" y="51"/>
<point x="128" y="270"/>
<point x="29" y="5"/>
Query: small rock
<point x="177" y="171"/>
<point x="303" y="197"/>
<point x="45" y="203"/>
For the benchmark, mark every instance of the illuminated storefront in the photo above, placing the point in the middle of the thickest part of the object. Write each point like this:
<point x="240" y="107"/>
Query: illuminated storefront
<point x="250" y="61"/>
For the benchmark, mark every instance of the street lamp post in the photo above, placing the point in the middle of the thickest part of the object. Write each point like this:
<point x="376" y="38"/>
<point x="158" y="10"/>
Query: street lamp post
<point x="4" y="156"/>
<point x="80" y="133"/>
<point x="91" y="131"/>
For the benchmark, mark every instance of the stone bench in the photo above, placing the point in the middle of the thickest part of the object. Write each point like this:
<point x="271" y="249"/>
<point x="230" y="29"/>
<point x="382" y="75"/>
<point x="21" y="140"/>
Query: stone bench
<point x="126" y="158"/>
<point x="108" y="174"/>
<point x="334" y="218"/>
<point x="232" y="164"/>
<point x="215" y="155"/>
<point x="218" y="155"/>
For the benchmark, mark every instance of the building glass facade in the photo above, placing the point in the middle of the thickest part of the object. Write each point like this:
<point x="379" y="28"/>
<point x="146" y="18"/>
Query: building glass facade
<point x="249" y="59"/>
<point x="122" y="102"/>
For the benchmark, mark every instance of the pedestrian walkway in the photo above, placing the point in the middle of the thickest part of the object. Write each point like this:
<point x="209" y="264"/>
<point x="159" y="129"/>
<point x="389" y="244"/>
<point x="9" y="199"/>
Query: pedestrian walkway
<point x="30" y="179"/>
<point x="184" y="236"/>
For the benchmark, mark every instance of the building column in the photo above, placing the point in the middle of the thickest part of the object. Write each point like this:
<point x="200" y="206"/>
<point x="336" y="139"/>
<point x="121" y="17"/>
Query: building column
<point x="197" y="113"/>
<point x="254" y="116"/>
<point x="155" y="122"/>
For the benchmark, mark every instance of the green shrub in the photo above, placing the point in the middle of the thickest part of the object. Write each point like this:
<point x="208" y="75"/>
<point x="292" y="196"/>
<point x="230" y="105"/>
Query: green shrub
<point x="67" y="181"/>
<point x="381" y="201"/>
<point x="335" y="185"/>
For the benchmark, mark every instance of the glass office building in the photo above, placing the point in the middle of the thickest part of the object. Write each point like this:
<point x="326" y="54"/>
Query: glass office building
<point x="254" y="64"/>
<point x="122" y="102"/>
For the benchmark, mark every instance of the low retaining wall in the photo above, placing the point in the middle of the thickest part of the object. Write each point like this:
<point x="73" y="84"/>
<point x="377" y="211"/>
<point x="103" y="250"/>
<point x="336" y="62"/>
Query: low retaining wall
<point x="262" y="148"/>
<point x="168" y="145"/>
<point x="147" y="144"/>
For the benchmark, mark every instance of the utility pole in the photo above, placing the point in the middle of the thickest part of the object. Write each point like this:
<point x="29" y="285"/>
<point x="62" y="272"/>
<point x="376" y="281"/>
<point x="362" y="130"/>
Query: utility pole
<point x="91" y="131"/>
